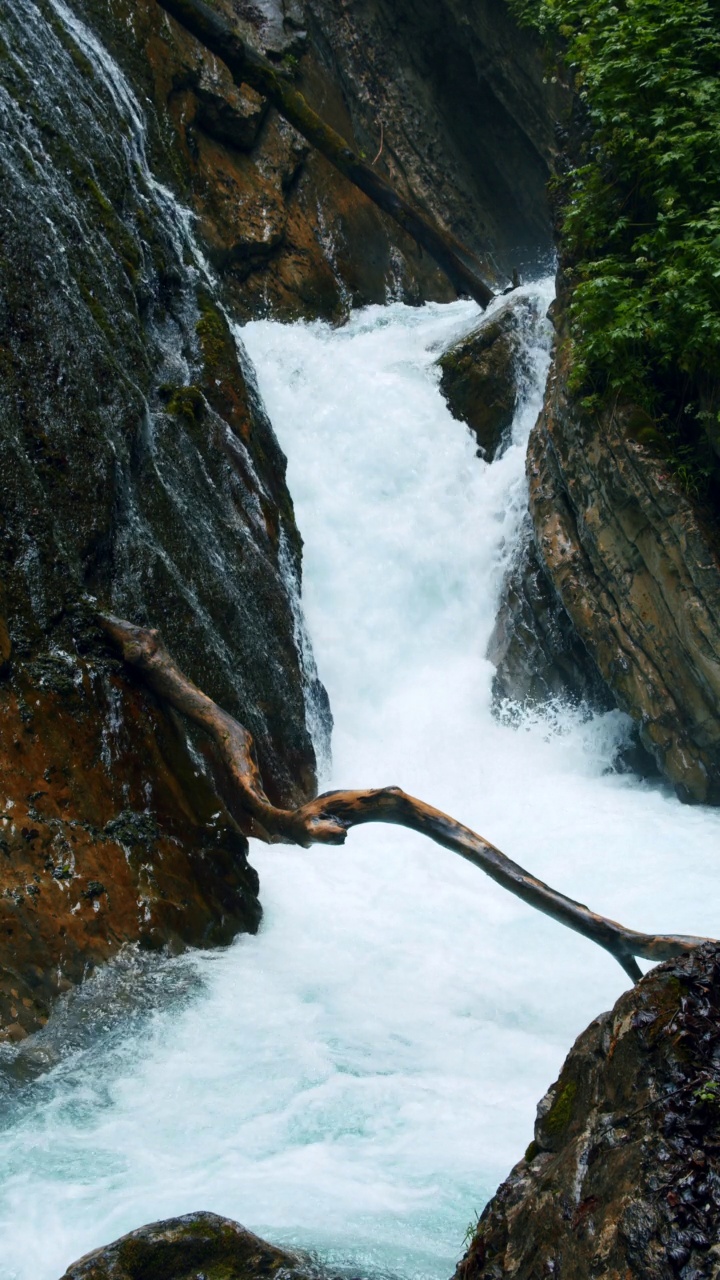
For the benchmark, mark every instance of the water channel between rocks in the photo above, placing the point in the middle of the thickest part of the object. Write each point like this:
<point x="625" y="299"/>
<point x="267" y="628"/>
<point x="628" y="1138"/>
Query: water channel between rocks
<point x="359" y="1077"/>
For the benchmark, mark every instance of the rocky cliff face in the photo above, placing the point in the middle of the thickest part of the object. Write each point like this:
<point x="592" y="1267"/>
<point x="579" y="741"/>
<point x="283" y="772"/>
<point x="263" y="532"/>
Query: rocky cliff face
<point x="138" y="472"/>
<point x="628" y="572"/>
<point x="623" y="1176"/>
<point x="456" y="95"/>
<point x="147" y="202"/>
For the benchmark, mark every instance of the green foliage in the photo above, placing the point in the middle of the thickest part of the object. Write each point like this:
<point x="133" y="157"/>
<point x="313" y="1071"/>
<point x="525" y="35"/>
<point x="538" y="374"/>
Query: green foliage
<point x="640" y="208"/>
<point x="470" y="1231"/>
<point x="708" y="1093"/>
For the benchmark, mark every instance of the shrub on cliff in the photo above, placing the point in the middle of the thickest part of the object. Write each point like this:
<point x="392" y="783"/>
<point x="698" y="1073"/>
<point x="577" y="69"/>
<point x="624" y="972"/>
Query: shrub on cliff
<point x="639" y="205"/>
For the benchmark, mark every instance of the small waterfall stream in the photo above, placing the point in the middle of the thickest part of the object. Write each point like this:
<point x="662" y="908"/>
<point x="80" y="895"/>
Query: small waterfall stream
<point x="358" y="1077"/>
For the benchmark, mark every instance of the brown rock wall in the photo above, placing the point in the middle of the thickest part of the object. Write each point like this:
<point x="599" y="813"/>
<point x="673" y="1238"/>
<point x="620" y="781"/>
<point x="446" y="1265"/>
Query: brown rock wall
<point x="639" y="577"/>
<point x="138" y="472"/>
<point x="287" y="234"/>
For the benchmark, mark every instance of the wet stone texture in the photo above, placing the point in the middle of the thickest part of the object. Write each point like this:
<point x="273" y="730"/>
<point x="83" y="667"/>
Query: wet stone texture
<point x="109" y="834"/>
<point x="139" y="473"/>
<point x="457" y="97"/>
<point x="482" y="375"/>
<point x="534" y="647"/>
<point x="198" y="1245"/>
<point x="622" y="1179"/>
<point x="637" y="572"/>
<point x="285" y="233"/>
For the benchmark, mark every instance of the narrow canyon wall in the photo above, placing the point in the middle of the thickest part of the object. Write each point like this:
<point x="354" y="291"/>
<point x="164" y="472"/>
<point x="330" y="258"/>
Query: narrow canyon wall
<point x="148" y="203"/>
<point x="616" y="597"/>
<point x="138" y="472"/>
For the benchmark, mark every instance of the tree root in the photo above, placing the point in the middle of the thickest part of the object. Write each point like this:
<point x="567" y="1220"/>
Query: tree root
<point x="328" y="819"/>
<point x="247" y="66"/>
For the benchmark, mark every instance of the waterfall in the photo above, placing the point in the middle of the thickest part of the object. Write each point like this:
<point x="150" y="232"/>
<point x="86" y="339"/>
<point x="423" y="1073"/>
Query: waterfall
<point x="358" y="1077"/>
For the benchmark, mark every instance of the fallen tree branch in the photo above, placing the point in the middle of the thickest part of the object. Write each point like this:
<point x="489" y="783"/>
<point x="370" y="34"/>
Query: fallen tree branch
<point x="328" y="819"/>
<point x="247" y="66"/>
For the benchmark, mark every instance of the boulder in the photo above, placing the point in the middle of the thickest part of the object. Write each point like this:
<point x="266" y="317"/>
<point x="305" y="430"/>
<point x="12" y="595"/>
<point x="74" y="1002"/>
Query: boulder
<point x="188" y="1248"/>
<point x="622" y="1179"/>
<point x="481" y="376"/>
<point x="534" y="647"/>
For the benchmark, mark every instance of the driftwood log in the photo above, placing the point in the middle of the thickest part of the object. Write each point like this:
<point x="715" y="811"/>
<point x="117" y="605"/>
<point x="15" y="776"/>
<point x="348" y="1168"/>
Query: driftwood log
<point x="328" y="819"/>
<point x="247" y="66"/>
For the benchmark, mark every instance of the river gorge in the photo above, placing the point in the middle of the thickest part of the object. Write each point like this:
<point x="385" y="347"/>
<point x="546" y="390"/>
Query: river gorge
<point x="353" y="1074"/>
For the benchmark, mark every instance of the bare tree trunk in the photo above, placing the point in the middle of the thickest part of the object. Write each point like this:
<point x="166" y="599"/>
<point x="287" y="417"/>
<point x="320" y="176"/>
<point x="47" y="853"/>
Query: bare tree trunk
<point x="247" y="66"/>
<point x="328" y="819"/>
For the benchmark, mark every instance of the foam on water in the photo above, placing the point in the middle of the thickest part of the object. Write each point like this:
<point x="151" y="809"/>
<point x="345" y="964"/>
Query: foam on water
<point x="359" y="1076"/>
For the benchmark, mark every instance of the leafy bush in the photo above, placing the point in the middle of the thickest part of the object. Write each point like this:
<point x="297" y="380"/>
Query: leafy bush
<point x="640" y="204"/>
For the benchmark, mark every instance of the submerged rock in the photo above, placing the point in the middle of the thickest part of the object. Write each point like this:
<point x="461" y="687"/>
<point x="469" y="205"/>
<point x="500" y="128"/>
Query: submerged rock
<point x="482" y="374"/>
<point x="623" y="1177"/>
<point x="198" y="1245"/>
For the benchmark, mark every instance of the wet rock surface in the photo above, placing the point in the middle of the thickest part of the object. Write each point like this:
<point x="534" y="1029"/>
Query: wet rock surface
<point x="285" y="233"/>
<point x="147" y="203"/>
<point x="457" y="96"/>
<point x="534" y="646"/>
<point x="196" y="1245"/>
<point x="637" y="573"/>
<point x="109" y="835"/>
<point x="623" y="1176"/>
<point x="138" y="472"/>
<point x="482" y="375"/>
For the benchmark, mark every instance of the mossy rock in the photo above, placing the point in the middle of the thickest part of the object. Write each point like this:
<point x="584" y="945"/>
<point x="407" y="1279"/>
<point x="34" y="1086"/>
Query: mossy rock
<point x="184" y="1248"/>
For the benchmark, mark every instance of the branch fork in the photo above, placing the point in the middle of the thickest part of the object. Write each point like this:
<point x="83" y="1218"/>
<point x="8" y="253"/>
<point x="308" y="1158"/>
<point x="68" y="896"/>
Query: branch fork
<point x="328" y="818"/>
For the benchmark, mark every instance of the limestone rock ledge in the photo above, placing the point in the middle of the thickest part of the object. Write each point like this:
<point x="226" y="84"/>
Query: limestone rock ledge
<point x="623" y="1177"/>
<point x="630" y="564"/>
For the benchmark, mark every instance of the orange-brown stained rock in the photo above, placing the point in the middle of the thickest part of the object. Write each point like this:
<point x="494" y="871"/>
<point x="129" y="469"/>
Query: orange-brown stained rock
<point x="288" y="234"/>
<point x="109" y="835"/>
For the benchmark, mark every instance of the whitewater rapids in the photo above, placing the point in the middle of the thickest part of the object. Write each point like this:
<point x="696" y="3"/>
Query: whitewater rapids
<point x="359" y="1077"/>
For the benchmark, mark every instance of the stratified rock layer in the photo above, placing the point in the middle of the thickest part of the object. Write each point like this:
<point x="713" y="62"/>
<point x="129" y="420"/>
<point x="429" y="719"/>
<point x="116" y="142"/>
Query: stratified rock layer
<point x="623" y="1178"/>
<point x="457" y="97"/>
<point x="196" y="1245"/>
<point x="637" y="574"/>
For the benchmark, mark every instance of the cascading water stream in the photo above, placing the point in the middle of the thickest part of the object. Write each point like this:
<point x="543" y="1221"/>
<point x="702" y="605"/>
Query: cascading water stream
<point x="359" y="1077"/>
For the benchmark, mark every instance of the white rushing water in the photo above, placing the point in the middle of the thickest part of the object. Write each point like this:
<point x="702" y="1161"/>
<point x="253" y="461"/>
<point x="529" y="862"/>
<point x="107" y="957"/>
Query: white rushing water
<point x="359" y="1077"/>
